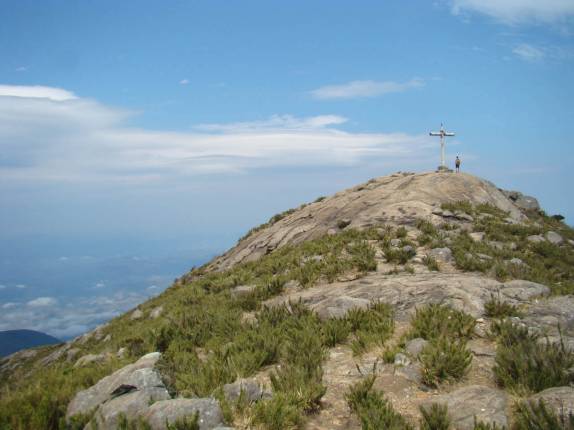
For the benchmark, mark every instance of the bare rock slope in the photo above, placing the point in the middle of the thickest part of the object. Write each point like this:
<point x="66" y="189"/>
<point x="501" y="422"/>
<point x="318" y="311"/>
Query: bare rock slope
<point x="396" y="199"/>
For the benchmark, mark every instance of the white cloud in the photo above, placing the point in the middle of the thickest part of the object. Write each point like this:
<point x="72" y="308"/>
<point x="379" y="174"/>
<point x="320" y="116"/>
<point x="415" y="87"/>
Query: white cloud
<point x="56" y="94"/>
<point x="277" y="122"/>
<point x="81" y="140"/>
<point x="22" y="69"/>
<point x="9" y="305"/>
<point x="528" y="52"/>
<point x="357" y="89"/>
<point x="71" y="319"/>
<point x="2" y="287"/>
<point x="42" y="301"/>
<point x="100" y="285"/>
<point x="518" y="11"/>
<point x="21" y="286"/>
<point x="184" y="82"/>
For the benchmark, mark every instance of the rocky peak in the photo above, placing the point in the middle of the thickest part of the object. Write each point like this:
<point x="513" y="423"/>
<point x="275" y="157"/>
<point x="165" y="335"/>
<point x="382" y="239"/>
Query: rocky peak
<point x="397" y="199"/>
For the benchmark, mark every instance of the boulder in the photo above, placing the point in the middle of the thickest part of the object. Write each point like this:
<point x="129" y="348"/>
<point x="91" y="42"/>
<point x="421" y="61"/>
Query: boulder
<point x="415" y="346"/>
<point x="250" y="387"/>
<point x="554" y="238"/>
<point x="522" y="201"/>
<point x="447" y="214"/>
<point x="477" y="236"/>
<point x="401" y="359"/>
<point x="535" y="238"/>
<point x="156" y="312"/>
<point x="242" y="290"/>
<point x="441" y="254"/>
<point x="131" y="405"/>
<point x="91" y="358"/>
<point x="170" y="411"/>
<point x="136" y="315"/>
<point x="463" y="216"/>
<point x="396" y="242"/>
<point x="487" y="404"/>
<point x="516" y="261"/>
<point x="141" y="375"/>
<point x="558" y="399"/>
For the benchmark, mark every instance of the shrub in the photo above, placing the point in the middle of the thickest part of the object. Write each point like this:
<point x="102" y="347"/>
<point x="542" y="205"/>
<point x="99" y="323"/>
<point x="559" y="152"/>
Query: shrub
<point x="277" y="413"/>
<point x="444" y="359"/>
<point x="495" y="308"/>
<point x="431" y="263"/>
<point x="399" y="255"/>
<point x="463" y="206"/>
<point x="434" y="417"/>
<point x="427" y="228"/>
<point x="535" y="416"/>
<point x="374" y="411"/>
<point x="401" y="232"/>
<point x="335" y="331"/>
<point x="372" y="326"/>
<point x="525" y="364"/>
<point x="434" y="321"/>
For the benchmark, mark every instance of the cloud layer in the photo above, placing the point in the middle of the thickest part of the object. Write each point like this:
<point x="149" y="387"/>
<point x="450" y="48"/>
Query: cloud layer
<point x="48" y="134"/>
<point x="65" y="320"/>
<point x="518" y="11"/>
<point x="359" y="89"/>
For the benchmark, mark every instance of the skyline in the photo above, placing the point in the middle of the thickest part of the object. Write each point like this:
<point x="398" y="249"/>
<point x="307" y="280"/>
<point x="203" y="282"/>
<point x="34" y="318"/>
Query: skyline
<point x="168" y="130"/>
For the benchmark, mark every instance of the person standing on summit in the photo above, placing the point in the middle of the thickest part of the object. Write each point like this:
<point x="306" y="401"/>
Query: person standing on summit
<point x="457" y="164"/>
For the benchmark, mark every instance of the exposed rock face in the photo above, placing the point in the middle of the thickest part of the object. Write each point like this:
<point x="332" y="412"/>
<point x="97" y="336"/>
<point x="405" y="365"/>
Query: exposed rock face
<point x="415" y="346"/>
<point x="522" y="201"/>
<point x="441" y="254"/>
<point x="396" y="199"/>
<point x="554" y="238"/>
<point x="466" y="292"/>
<point x="545" y="316"/>
<point x="487" y="404"/>
<point x="558" y="399"/>
<point x="210" y="415"/>
<point x="156" y="312"/>
<point x="250" y="387"/>
<point x="141" y="375"/>
<point x="91" y="358"/>
<point x="131" y="405"/>
<point x="136" y="315"/>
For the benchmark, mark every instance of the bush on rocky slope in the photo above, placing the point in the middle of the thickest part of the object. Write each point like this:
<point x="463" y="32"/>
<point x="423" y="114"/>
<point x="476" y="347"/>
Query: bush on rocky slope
<point x="526" y="364"/>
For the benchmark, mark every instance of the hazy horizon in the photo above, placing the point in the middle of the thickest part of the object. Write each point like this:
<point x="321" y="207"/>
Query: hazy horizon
<point x="138" y="140"/>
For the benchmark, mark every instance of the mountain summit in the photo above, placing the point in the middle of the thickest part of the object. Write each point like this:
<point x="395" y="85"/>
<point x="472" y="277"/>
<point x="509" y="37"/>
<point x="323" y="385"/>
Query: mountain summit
<point x="431" y="300"/>
<point x="400" y="199"/>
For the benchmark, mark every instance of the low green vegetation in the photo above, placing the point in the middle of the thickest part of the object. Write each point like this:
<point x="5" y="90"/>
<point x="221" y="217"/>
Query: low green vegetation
<point x="537" y="416"/>
<point x="446" y="357"/>
<point x="434" y="321"/>
<point x="203" y="337"/>
<point x="374" y="411"/>
<point x="542" y="262"/>
<point x="496" y="308"/>
<point x="526" y="364"/>
<point x="371" y="327"/>
<point x="434" y="417"/>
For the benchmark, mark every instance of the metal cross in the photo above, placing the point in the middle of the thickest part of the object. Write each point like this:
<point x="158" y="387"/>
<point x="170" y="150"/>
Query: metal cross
<point x="442" y="133"/>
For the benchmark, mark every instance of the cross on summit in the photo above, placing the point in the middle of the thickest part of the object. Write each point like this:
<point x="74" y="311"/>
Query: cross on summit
<point x="442" y="133"/>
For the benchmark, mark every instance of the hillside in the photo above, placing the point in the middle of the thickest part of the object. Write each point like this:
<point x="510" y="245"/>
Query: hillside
<point x="405" y="302"/>
<point x="15" y="340"/>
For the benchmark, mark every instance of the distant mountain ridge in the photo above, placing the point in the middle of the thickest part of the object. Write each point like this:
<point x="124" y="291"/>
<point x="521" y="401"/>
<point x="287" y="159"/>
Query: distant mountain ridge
<point x="12" y="341"/>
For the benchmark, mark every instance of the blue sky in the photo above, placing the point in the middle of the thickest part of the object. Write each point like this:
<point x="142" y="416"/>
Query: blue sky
<point x="167" y="129"/>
